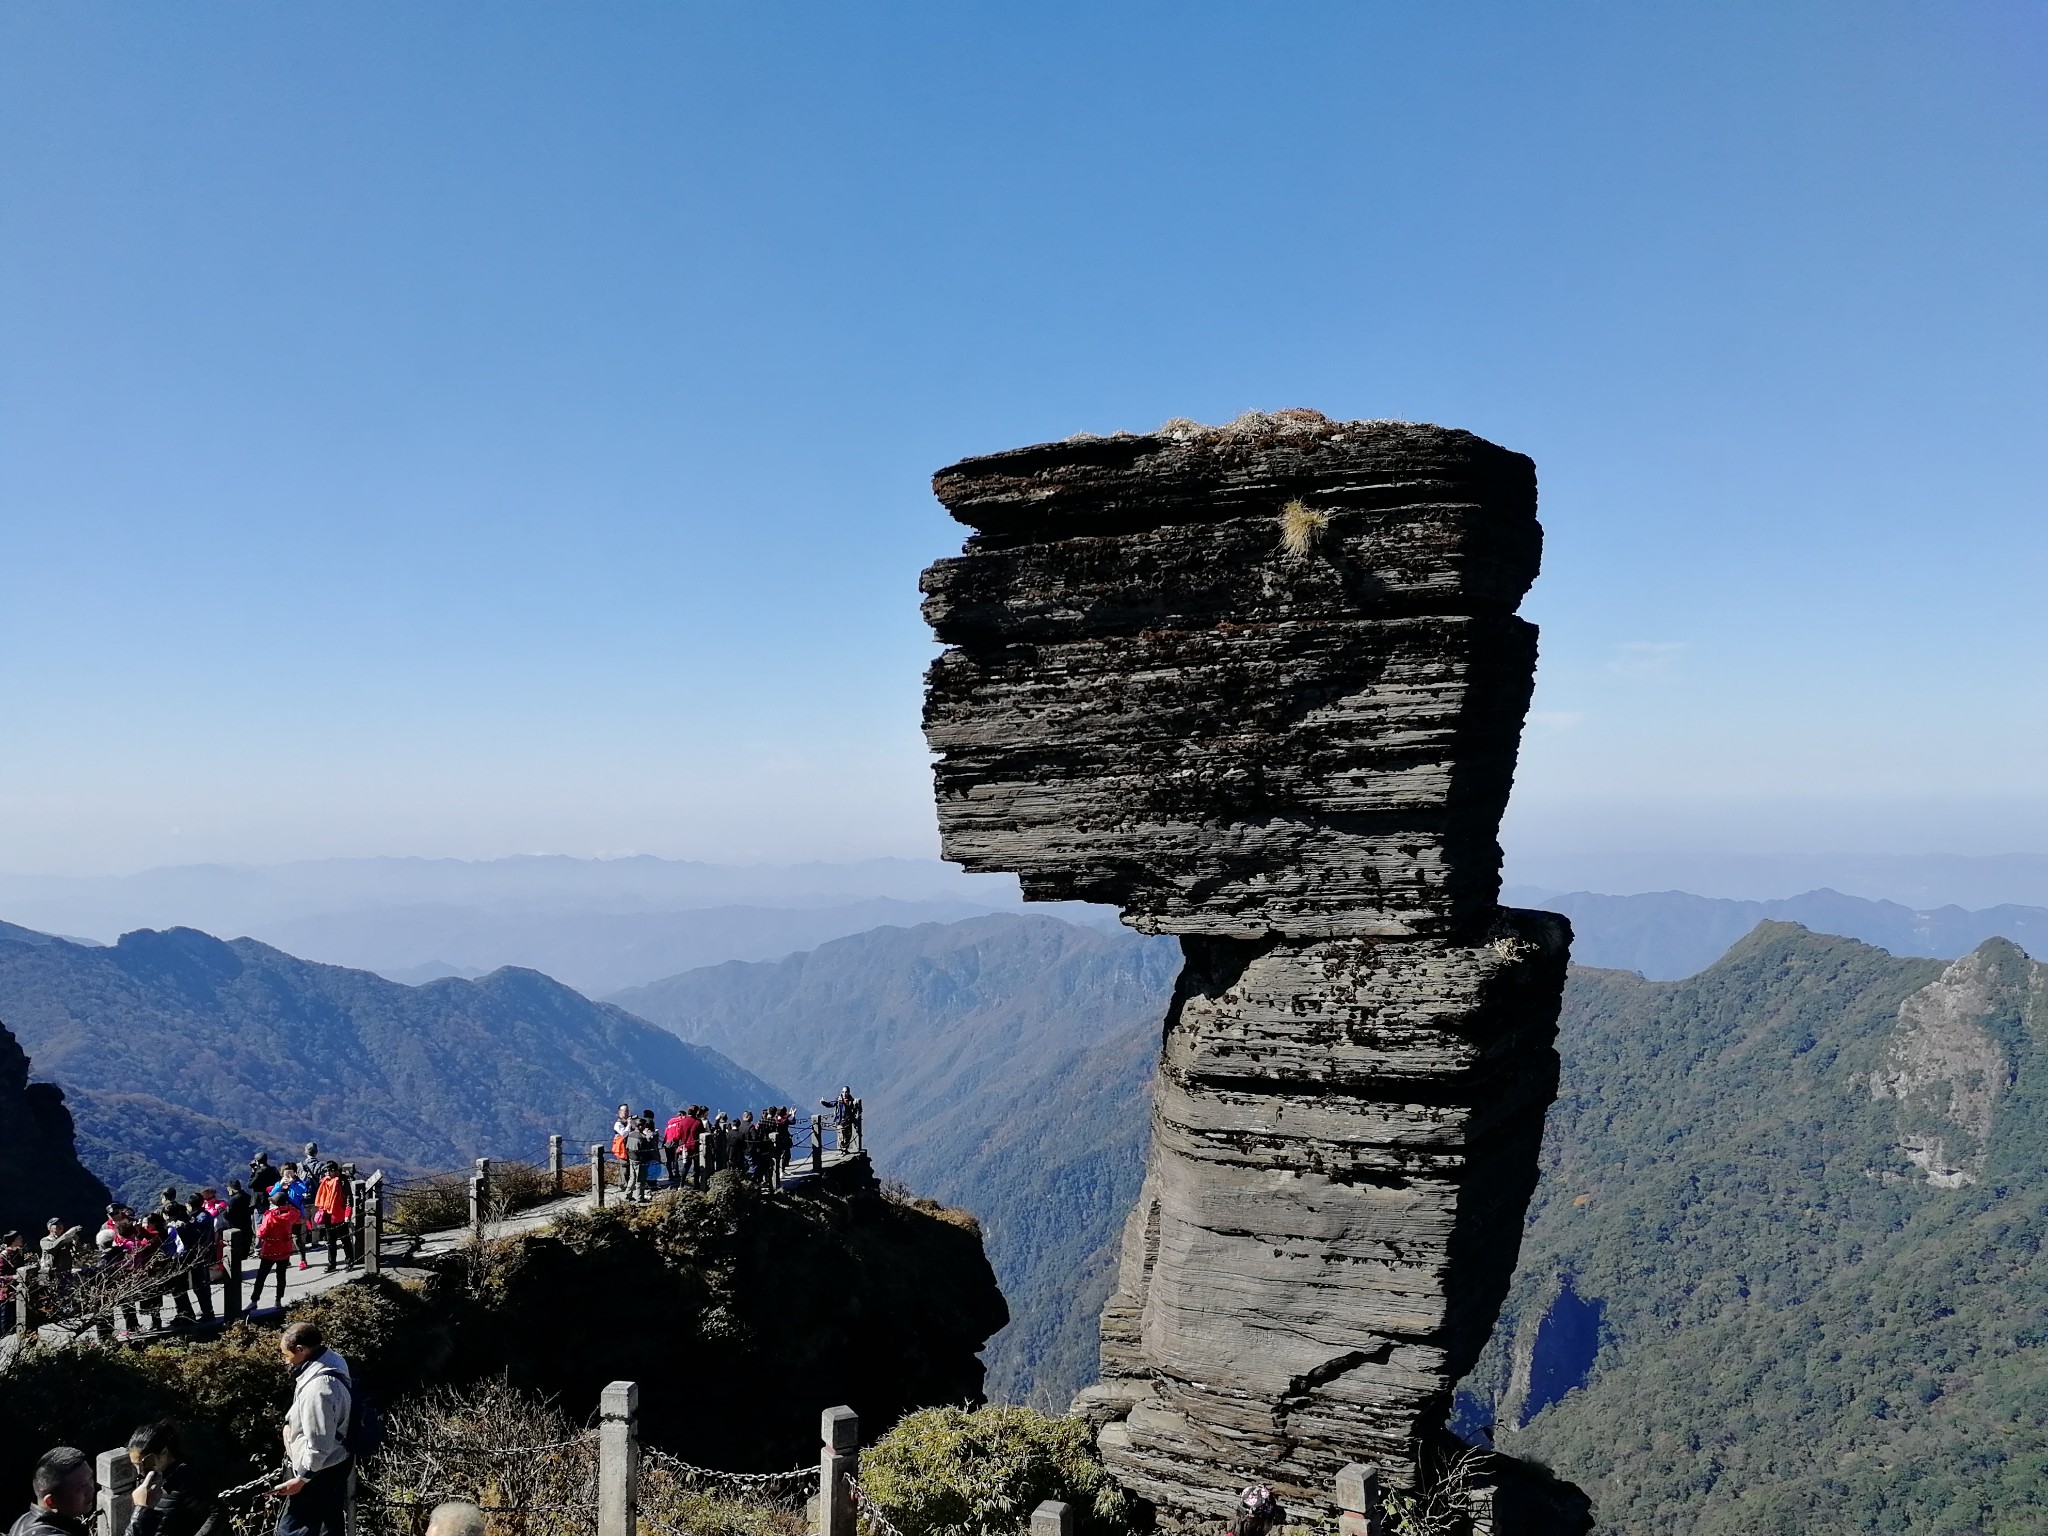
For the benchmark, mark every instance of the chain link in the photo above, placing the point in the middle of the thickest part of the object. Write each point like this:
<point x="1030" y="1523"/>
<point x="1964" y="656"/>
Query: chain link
<point x="263" y="1480"/>
<point x="870" y="1511"/>
<point x="683" y="1468"/>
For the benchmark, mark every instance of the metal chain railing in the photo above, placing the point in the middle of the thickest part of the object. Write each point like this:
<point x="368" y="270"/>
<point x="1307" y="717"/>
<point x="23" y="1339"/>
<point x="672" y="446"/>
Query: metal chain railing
<point x="665" y="1477"/>
<point x="806" y="1476"/>
<point x="255" y="1513"/>
<point x="869" y="1511"/>
<point x="545" y="1479"/>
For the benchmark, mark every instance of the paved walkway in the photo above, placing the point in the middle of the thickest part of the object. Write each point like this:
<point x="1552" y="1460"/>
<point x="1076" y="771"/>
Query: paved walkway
<point x="407" y="1253"/>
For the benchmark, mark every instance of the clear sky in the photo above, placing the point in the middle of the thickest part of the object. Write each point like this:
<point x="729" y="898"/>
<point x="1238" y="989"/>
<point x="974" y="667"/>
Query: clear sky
<point x="481" y="428"/>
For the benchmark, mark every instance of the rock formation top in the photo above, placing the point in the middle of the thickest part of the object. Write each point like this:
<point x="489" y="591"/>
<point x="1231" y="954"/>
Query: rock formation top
<point x="1257" y="679"/>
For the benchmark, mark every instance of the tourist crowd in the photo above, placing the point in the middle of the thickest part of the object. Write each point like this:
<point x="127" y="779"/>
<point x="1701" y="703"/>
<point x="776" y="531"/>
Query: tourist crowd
<point x="291" y="1213"/>
<point x="138" y="1260"/>
<point x="694" y="1144"/>
<point x="284" y="1215"/>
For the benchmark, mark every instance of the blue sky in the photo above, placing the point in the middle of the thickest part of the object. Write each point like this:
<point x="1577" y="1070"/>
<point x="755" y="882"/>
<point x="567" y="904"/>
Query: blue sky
<point x="475" y="429"/>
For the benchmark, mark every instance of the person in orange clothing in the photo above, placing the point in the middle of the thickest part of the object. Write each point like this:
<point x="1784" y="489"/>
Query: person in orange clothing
<point x="274" y="1244"/>
<point x="333" y="1210"/>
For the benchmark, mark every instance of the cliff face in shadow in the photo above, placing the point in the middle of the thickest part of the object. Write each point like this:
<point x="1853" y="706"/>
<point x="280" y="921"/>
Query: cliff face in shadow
<point x="40" y="1175"/>
<point x="741" y="1316"/>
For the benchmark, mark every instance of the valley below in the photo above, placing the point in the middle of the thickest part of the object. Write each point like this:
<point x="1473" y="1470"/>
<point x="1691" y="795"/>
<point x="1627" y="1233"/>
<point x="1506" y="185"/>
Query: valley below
<point x="1781" y="1272"/>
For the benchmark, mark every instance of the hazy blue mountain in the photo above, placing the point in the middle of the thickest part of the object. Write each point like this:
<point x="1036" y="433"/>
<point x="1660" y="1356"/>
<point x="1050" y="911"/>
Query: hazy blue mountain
<point x="596" y="924"/>
<point x="223" y="898"/>
<point x="180" y="1049"/>
<point x="1669" y="934"/>
<point x="1914" y="880"/>
<point x="595" y="952"/>
<point x="1004" y="1063"/>
<point x="431" y="970"/>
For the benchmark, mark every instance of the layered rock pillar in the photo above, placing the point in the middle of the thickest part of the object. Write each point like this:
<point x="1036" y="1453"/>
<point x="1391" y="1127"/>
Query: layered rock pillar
<point x="1262" y="686"/>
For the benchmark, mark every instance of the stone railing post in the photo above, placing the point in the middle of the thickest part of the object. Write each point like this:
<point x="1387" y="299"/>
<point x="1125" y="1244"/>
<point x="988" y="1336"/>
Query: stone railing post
<point x="618" y="1458"/>
<point x="839" y="1461"/>
<point x="817" y="1143"/>
<point x="231" y="1275"/>
<point x="1479" y="1505"/>
<point x="372" y="1212"/>
<point x="1358" y="1501"/>
<point x="555" y="1163"/>
<point x="597" y="1176"/>
<point x="1052" y="1518"/>
<point x="480" y="1196"/>
<point x="117" y="1483"/>
<point x="359" y="1220"/>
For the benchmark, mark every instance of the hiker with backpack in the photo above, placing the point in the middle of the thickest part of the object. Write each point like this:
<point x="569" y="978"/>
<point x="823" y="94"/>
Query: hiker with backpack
<point x="318" y="1443"/>
<point x="188" y="1251"/>
<point x="650" y="1153"/>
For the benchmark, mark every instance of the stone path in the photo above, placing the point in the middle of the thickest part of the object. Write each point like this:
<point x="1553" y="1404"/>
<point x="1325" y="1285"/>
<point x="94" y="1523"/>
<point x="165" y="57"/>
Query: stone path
<point x="403" y="1254"/>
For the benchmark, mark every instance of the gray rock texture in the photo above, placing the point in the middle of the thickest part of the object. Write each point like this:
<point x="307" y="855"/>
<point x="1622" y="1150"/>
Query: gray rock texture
<point x="1262" y="686"/>
<point x="1263" y="679"/>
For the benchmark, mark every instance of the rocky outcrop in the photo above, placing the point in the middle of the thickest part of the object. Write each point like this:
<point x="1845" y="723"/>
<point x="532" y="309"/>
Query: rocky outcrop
<point x="1262" y="686"/>
<point x="1947" y="1062"/>
<point x="40" y="1175"/>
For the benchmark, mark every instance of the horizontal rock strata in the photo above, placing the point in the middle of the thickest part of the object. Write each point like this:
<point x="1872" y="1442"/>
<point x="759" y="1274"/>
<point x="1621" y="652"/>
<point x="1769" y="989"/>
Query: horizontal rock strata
<point x="1160" y="698"/>
<point x="1344" y="1142"/>
<point x="1262" y="686"/>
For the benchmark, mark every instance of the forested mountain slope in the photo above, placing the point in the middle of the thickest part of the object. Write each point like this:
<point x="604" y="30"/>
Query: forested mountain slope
<point x="182" y="1054"/>
<point x="1799" y="1202"/>
<point x="1004" y="1063"/>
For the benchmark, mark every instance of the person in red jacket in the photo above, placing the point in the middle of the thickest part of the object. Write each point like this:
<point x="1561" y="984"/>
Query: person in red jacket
<point x="690" y="1126"/>
<point x="275" y="1245"/>
<point x="333" y="1210"/>
<point x="672" y="1147"/>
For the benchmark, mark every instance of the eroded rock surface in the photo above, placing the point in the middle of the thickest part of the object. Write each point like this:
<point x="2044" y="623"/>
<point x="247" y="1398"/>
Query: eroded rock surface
<point x="1947" y="1065"/>
<point x="1262" y="686"/>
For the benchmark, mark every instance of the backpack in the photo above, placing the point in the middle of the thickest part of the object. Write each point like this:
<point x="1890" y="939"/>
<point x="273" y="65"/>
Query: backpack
<point x="362" y="1432"/>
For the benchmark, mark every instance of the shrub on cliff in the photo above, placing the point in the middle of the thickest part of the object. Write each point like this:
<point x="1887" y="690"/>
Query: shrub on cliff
<point x="952" y="1472"/>
<point x="229" y="1394"/>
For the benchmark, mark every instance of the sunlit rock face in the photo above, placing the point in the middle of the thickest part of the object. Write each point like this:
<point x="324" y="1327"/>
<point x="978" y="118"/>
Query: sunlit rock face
<point x="1262" y="686"/>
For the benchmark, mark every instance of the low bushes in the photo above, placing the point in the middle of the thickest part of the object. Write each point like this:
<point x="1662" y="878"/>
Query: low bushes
<point x="956" y="1472"/>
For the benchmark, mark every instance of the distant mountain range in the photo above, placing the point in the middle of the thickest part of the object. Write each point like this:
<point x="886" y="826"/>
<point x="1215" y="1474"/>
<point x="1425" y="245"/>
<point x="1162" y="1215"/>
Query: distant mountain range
<point x="1669" y="934"/>
<point x="182" y="1054"/>
<point x="1917" y="880"/>
<point x="1004" y="1062"/>
<point x="595" y="924"/>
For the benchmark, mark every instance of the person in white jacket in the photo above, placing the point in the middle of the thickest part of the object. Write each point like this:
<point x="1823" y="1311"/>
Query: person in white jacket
<point x="315" y="1492"/>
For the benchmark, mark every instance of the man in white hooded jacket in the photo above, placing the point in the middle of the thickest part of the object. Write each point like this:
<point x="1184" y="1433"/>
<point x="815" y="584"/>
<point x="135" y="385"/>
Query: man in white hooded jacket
<point x="315" y="1493"/>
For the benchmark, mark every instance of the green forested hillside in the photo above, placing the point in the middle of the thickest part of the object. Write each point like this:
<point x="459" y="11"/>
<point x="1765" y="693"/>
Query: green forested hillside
<point x="183" y="1054"/>
<point x="1004" y="1063"/>
<point x="1799" y="1332"/>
